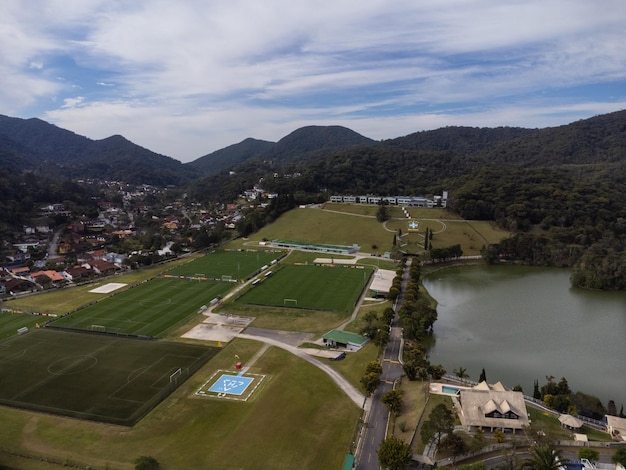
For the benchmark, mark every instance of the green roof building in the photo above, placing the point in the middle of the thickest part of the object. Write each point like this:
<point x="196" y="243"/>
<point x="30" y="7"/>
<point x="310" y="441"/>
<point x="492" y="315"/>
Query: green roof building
<point x="344" y="339"/>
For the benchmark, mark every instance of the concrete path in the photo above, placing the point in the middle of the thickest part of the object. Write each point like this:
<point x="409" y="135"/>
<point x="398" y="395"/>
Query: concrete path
<point x="357" y="397"/>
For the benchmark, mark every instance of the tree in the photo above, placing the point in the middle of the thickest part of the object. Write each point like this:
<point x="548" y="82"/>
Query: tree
<point x="455" y="444"/>
<point x="370" y="382"/>
<point x="381" y="338"/>
<point x="461" y="373"/>
<point x="374" y="366"/>
<point x="478" y="440"/>
<point x="383" y="214"/>
<point x="394" y="453"/>
<point x="619" y="457"/>
<point x="545" y="457"/>
<point x="483" y="376"/>
<point x="146" y="463"/>
<point x="611" y="408"/>
<point x="392" y="400"/>
<point x="440" y="422"/>
<point x="588" y="453"/>
<point x="536" y="391"/>
<point x="436" y="371"/>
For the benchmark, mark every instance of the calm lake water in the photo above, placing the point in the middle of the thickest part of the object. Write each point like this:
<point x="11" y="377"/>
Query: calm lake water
<point x="523" y="323"/>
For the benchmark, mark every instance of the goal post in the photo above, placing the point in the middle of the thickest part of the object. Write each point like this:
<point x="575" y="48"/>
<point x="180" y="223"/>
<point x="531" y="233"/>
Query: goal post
<point x="100" y="328"/>
<point x="292" y="302"/>
<point x="176" y="375"/>
<point x="227" y="278"/>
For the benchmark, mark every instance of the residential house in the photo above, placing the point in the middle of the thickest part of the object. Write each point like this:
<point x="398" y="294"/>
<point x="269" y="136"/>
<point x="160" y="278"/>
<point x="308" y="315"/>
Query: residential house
<point x="103" y="267"/>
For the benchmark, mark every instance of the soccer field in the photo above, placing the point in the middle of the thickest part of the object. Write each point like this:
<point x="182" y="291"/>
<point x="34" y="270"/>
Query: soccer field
<point x="96" y="377"/>
<point x="236" y="264"/>
<point x="311" y="287"/>
<point x="150" y="309"/>
<point x="11" y="322"/>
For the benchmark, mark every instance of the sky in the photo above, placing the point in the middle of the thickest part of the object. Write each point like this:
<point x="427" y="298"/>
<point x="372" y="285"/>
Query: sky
<point x="187" y="77"/>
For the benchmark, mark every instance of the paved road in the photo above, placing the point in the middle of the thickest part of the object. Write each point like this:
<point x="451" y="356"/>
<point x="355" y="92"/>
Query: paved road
<point x="375" y="428"/>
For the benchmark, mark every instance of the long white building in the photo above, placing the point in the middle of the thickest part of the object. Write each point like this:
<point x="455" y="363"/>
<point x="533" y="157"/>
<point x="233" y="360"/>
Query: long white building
<point x="411" y="201"/>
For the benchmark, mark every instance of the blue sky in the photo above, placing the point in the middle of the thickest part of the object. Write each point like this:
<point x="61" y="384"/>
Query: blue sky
<point x="187" y="77"/>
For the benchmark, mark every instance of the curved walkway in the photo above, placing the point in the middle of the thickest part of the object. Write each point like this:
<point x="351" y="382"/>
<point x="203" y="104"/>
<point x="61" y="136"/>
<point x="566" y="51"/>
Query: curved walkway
<point x="357" y="397"/>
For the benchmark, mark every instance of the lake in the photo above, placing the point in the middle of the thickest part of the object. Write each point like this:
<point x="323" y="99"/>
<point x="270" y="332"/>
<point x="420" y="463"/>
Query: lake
<point x="523" y="323"/>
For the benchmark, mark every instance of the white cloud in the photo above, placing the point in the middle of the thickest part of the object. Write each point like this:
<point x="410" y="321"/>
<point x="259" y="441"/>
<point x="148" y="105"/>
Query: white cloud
<point x="72" y="102"/>
<point x="186" y="78"/>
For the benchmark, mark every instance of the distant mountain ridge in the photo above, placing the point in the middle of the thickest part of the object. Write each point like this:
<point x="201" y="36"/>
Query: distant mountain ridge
<point x="230" y="156"/>
<point x="303" y="143"/>
<point x="35" y="145"/>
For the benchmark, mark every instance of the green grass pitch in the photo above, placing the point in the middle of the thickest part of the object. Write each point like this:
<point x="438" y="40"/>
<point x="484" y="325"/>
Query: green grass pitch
<point x="150" y="309"/>
<point x="11" y="322"/>
<point x="237" y="264"/>
<point x="96" y="377"/>
<point x="313" y="287"/>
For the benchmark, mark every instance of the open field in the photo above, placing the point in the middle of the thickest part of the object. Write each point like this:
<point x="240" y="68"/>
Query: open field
<point x="298" y="418"/>
<point x="150" y="309"/>
<point x="347" y="224"/>
<point x="319" y="226"/>
<point x="311" y="287"/>
<point x="236" y="264"/>
<point x="95" y="377"/>
<point x="60" y="301"/>
<point x="471" y="235"/>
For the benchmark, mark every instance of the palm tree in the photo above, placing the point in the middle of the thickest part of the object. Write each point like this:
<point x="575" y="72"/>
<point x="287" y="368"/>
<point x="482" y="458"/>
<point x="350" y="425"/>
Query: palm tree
<point x="461" y="373"/>
<point x="545" y="457"/>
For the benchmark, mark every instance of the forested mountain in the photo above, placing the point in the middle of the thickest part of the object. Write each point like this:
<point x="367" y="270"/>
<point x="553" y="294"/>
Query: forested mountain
<point x="463" y="140"/>
<point x="37" y="146"/>
<point x="314" y="141"/>
<point x="230" y="156"/>
<point x="562" y="190"/>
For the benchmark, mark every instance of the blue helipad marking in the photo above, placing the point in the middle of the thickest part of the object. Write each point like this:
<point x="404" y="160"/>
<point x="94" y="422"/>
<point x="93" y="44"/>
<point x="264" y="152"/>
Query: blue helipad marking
<point x="231" y="384"/>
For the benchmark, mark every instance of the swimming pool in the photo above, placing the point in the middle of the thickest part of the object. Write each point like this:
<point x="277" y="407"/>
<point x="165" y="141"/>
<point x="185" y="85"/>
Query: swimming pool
<point x="450" y="390"/>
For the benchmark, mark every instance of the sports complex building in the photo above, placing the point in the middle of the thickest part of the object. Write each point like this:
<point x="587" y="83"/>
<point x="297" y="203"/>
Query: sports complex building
<point x="410" y="201"/>
<point x="335" y="249"/>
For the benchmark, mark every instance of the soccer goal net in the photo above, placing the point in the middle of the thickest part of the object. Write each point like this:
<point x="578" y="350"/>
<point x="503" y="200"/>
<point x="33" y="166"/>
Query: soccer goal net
<point x="226" y="278"/>
<point x="176" y="375"/>
<point x="100" y="328"/>
<point x="292" y="302"/>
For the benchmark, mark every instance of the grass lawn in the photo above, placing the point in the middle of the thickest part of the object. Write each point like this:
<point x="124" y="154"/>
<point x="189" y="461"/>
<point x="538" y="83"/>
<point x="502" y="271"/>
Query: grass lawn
<point x="149" y="309"/>
<point x="549" y="424"/>
<point x="414" y="395"/>
<point x="319" y="226"/>
<point x="471" y="235"/>
<point x="298" y="418"/>
<point x="353" y="366"/>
